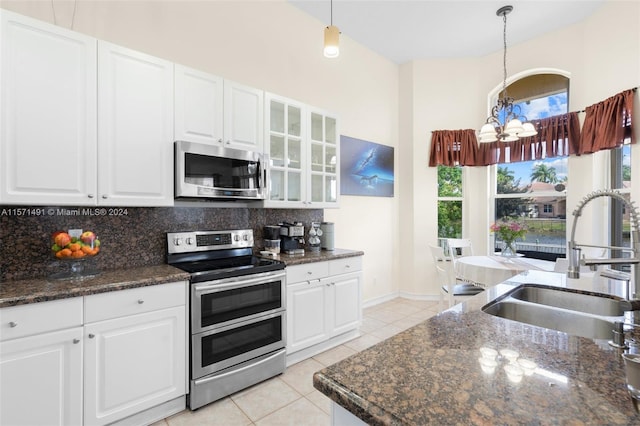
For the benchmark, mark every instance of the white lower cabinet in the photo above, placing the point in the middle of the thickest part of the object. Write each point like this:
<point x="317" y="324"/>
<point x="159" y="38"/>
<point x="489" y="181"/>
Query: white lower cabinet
<point x="135" y="351"/>
<point x="133" y="363"/>
<point x="117" y="356"/>
<point x="41" y="379"/>
<point x="41" y="363"/>
<point x="307" y="319"/>
<point x="323" y="307"/>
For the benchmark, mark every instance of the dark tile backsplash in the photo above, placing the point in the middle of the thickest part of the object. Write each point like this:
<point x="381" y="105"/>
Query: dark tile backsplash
<point x="130" y="237"/>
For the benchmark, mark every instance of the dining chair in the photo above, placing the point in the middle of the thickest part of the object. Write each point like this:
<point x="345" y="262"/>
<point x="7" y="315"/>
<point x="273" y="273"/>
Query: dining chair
<point x="458" y="247"/>
<point x="449" y="289"/>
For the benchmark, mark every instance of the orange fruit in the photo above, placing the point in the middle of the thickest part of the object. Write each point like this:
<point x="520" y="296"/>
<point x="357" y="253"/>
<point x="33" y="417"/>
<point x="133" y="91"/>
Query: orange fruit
<point x="64" y="253"/>
<point x="74" y="246"/>
<point x="87" y="249"/>
<point x="59" y="254"/>
<point x="77" y="254"/>
<point x="62" y="239"/>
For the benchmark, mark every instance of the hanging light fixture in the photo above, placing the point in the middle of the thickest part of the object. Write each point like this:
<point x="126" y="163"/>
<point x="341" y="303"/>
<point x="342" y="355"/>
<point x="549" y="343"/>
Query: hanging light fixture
<point x="505" y="123"/>
<point x="331" y="39"/>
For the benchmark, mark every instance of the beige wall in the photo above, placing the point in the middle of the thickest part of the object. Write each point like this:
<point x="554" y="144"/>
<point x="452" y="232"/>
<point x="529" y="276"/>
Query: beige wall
<point x="602" y="54"/>
<point x="271" y="45"/>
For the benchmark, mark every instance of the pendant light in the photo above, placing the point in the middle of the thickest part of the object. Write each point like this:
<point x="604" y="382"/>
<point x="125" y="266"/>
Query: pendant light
<point x="331" y="39"/>
<point x="513" y="125"/>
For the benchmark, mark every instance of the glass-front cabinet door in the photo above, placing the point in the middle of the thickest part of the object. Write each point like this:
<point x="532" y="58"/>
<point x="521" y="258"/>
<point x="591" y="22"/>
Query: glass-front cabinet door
<point x="286" y="149"/>
<point x="323" y="160"/>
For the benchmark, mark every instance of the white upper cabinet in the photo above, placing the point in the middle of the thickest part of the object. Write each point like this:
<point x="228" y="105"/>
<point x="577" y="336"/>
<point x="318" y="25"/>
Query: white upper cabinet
<point x="286" y="148"/>
<point x="303" y="147"/>
<point x="47" y="113"/>
<point x="135" y="136"/>
<point x="198" y="106"/>
<point x="56" y="86"/>
<point x="214" y="111"/>
<point x="324" y="160"/>
<point x="243" y="117"/>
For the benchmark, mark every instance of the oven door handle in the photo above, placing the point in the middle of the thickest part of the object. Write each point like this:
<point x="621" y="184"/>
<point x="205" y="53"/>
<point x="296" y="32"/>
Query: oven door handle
<point x="246" y="367"/>
<point x="238" y="282"/>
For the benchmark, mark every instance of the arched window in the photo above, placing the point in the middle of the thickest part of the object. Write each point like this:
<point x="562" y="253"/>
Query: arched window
<point x="535" y="191"/>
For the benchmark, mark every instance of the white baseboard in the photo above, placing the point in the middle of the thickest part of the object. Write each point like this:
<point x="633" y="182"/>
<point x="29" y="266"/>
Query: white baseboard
<point x="413" y="296"/>
<point x="379" y="300"/>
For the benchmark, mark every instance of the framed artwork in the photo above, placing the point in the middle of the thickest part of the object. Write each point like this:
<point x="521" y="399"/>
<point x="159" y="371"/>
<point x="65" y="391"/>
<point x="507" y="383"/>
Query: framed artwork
<point x="366" y="168"/>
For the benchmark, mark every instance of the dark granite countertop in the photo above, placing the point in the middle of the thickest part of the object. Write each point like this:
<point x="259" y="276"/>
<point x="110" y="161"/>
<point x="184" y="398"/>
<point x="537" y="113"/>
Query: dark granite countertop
<point x="431" y="373"/>
<point x="22" y="292"/>
<point x="321" y="256"/>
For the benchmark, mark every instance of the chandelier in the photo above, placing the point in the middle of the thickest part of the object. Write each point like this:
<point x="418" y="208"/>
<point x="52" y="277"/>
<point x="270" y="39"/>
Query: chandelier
<point x="505" y="123"/>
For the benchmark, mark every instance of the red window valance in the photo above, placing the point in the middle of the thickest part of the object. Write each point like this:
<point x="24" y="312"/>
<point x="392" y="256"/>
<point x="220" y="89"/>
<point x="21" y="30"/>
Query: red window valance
<point x="557" y="136"/>
<point x="453" y="148"/>
<point x="608" y="123"/>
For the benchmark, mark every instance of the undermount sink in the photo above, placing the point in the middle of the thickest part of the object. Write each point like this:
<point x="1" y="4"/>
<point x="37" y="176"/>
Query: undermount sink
<point x="591" y="316"/>
<point x="562" y="298"/>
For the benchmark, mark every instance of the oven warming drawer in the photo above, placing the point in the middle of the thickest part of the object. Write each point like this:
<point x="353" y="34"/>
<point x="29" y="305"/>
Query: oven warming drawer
<point x="225" y="382"/>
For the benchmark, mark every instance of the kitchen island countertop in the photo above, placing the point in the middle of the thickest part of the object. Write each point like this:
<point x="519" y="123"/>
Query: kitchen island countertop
<point x="22" y="292"/>
<point x="431" y="373"/>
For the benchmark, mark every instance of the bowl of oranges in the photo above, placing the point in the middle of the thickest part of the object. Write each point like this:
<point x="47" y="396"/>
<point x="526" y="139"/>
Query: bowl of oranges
<point x="75" y="246"/>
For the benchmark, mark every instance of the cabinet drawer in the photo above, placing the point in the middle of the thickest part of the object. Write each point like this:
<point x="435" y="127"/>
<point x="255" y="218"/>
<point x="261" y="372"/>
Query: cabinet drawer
<point x="307" y="271"/>
<point x="342" y="266"/>
<point x="35" y="318"/>
<point x="133" y="301"/>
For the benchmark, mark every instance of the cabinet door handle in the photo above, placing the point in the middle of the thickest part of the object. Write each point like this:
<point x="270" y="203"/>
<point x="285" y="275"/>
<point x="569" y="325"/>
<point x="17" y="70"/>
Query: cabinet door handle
<point x="105" y="196"/>
<point x="91" y="335"/>
<point x="90" y="195"/>
<point x="220" y="140"/>
<point x="13" y="324"/>
<point x="76" y="341"/>
<point x="347" y="266"/>
<point x="140" y="301"/>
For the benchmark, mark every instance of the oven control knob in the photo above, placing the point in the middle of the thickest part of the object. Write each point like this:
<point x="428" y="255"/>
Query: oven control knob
<point x="177" y="241"/>
<point x="236" y="237"/>
<point x="245" y="237"/>
<point x="189" y="241"/>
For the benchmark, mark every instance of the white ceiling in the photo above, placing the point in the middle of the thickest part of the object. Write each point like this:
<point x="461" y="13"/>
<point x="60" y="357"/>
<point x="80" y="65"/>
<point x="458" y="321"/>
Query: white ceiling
<point x="406" y="30"/>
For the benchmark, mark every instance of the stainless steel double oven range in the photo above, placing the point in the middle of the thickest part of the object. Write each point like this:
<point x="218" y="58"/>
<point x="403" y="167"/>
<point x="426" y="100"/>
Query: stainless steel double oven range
<point x="237" y="310"/>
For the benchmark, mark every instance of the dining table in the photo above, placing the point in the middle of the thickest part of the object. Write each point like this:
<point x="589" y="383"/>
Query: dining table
<point x="487" y="271"/>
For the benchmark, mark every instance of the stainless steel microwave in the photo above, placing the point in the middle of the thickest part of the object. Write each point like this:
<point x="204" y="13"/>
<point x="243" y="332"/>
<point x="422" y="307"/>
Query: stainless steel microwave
<point x="209" y="171"/>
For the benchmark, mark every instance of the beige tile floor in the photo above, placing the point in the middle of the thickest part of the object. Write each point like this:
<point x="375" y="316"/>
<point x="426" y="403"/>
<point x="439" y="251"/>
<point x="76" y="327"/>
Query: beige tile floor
<point x="290" y="399"/>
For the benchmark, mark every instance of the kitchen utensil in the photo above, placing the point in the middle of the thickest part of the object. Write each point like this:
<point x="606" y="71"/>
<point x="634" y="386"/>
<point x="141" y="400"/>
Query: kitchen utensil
<point x="328" y="236"/>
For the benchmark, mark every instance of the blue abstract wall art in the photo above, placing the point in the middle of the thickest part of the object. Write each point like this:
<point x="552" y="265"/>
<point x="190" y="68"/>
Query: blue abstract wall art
<point x="366" y="168"/>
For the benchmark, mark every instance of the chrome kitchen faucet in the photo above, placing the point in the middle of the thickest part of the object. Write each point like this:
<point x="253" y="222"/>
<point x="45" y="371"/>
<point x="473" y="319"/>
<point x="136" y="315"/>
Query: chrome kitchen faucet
<point x="575" y="259"/>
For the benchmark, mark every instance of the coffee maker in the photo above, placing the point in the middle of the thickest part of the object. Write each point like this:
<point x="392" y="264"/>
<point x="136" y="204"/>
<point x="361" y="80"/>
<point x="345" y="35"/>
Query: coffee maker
<point x="292" y="238"/>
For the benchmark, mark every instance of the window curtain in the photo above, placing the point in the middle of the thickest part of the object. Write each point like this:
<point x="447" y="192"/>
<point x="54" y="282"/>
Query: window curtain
<point x="607" y="124"/>
<point x="557" y="136"/>
<point x="453" y="148"/>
